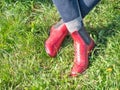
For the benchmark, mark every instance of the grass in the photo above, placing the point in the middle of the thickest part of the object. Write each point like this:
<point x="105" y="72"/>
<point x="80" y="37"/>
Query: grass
<point x="24" y="64"/>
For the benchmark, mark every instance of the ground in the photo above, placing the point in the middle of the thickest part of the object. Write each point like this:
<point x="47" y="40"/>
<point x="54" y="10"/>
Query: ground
<point x="24" y="64"/>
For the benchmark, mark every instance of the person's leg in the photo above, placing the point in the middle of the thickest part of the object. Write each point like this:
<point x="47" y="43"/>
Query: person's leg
<point x="71" y="15"/>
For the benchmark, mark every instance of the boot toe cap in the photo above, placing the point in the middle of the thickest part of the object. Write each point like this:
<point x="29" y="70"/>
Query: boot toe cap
<point x="50" y="50"/>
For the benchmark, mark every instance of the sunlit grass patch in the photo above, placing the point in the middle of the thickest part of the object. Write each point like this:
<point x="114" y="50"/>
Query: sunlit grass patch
<point x="24" y="64"/>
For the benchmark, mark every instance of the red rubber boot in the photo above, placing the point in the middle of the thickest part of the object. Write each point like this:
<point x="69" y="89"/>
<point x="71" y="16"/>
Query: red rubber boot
<point x="81" y="54"/>
<point x="57" y="34"/>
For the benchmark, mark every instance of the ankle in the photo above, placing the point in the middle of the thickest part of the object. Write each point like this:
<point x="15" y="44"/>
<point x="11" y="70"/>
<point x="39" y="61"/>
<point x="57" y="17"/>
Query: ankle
<point x="84" y="35"/>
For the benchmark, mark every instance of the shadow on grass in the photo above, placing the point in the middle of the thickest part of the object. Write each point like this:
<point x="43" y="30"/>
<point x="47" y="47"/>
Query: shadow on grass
<point x="101" y="35"/>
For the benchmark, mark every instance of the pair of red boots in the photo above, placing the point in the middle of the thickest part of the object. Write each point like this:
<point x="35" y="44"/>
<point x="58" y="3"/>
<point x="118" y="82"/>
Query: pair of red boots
<point x="57" y="34"/>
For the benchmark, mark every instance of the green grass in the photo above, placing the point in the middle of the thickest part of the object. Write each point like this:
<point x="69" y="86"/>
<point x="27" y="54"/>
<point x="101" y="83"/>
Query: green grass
<point x="24" y="64"/>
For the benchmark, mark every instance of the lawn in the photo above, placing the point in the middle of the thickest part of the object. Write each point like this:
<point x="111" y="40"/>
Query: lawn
<point x="24" y="64"/>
